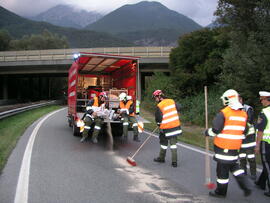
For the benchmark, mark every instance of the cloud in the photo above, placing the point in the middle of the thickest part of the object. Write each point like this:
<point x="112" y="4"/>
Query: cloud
<point x="200" y="11"/>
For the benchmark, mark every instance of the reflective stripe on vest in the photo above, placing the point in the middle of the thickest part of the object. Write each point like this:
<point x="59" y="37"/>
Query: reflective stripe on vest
<point x="232" y="134"/>
<point x="127" y="106"/>
<point x="266" y="132"/>
<point x="170" y="117"/>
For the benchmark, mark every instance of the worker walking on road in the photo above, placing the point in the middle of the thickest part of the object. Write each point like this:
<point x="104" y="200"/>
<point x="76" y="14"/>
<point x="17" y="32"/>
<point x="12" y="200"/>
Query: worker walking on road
<point x="228" y="130"/>
<point x="91" y="116"/>
<point x="169" y="124"/>
<point x="263" y="141"/>
<point x="247" y="152"/>
<point x="127" y="113"/>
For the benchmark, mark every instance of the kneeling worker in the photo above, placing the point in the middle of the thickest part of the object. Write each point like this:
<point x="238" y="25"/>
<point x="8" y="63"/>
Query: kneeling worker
<point x="91" y="116"/>
<point x="128" y="116"/>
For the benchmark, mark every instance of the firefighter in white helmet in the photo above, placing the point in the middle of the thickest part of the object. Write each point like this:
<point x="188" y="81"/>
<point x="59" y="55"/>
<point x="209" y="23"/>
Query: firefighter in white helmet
<point x="228" y="129"/>
<point x="91" y="117"/>
<point x="127" y="113"/>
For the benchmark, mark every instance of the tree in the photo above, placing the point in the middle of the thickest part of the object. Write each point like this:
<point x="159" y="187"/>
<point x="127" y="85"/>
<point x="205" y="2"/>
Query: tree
<point x="197" y="60"/>
<point x="46" y="40"/>
<point x="4" y="40"/>
<point x="246" y="62"/>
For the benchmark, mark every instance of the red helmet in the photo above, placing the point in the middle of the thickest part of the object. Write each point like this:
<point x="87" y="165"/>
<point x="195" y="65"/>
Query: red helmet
<point x="103" y="94"/>
<point x="157" y="93"/>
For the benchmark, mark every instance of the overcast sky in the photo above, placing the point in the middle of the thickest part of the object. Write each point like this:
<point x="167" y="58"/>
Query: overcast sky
<point x="200" y="11"/>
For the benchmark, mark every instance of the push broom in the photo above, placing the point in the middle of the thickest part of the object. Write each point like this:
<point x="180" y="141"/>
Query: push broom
<point x="208" y="183"/>
<point x="131" y="160"/>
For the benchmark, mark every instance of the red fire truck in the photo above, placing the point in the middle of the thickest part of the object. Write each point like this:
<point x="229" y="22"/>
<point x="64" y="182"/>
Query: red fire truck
<point x="92" y="73"/>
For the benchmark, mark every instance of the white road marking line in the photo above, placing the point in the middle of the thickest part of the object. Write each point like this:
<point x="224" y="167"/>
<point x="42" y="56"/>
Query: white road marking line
<point x="21" y="195"/>
<point x="194" y="149"/>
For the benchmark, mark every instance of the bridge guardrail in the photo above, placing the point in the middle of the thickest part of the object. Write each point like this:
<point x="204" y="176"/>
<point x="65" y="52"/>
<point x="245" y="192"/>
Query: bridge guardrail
<point x="65" y="54"/>
<point x="22" y="109"/>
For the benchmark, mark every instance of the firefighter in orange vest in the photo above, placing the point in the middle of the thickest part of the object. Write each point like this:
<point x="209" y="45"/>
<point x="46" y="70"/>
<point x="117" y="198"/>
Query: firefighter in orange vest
<point x="91" y="117"/>
<point x="167" y="119"/>
<point x="127" y="114"/>
<point x="228" y="129"/>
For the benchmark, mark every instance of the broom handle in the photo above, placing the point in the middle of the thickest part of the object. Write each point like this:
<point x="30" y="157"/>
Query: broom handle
<point x="207" y="159"/>
<point x="144" y="142"/>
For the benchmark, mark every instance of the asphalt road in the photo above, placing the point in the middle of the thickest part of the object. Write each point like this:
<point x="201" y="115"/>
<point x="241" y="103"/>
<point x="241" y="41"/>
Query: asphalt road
<point x="58" y="168"/>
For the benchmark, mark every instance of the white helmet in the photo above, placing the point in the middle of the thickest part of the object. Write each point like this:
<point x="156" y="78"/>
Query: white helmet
<point x="231" y="98"/>
<point x="122" y="96"/>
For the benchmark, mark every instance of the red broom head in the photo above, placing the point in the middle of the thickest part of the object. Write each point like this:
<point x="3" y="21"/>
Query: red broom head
<point x="131" y="161"/>
<point x="211" y="186"/>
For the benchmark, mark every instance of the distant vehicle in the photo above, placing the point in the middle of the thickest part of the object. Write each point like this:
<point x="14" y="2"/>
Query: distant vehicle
<point x="92" y="73"/>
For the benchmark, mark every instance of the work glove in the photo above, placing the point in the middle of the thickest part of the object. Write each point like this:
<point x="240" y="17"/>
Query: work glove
<point x="209" y="132"/>
<point x="206" y="133"/>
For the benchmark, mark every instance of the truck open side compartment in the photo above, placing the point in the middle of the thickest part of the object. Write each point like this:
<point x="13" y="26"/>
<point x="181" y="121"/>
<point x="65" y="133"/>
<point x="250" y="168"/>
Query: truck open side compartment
<point x="92" y="73"/>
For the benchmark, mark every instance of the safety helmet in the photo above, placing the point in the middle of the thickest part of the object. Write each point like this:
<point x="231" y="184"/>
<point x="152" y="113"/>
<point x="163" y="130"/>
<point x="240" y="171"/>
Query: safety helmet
<point x="157" y="93"/>
<point x="122" y="96"/>
<point x="103" y="94"/>
<point x="231" y="98"/>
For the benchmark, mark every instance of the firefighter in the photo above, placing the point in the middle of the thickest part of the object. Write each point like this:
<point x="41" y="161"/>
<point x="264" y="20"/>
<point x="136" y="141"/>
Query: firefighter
<point x="128" y="116"/>
<point x="91" y="117"/>
<point x="228" y="129"/>
<point x="167" y="119"/>
<point x="248" y="145"/>
<point x="263" y="141"/>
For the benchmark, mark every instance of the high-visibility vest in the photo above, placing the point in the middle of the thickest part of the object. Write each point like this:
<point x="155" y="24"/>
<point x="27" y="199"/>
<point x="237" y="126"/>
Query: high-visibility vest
<point x="95" y="102"/>
<point x="233" y="132"/>
<point x="138" y="106"/>
<point x="266" y="132"/>
<point x="170" y="117"/>
<point x="127" y="106"/>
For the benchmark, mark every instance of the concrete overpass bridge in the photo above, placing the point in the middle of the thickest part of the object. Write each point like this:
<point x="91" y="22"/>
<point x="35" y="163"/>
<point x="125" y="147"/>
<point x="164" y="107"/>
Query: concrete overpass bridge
<point x="35" y="67"/>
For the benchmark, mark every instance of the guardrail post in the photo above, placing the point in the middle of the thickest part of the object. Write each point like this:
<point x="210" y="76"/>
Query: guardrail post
<point x="133" y="51"/>
<point x="147" y="51"/>
<point x="161" y="51"/>
<point x="118" y="51"/>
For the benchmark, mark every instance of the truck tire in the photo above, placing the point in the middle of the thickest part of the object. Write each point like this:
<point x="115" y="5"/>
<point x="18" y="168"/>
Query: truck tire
<point x="76" y="130"/>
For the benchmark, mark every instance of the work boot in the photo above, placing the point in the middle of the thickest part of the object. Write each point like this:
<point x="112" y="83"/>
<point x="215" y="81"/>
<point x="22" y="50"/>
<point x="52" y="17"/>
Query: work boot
<point x="136" y="138"/>
<point x="215" y="194"/>
<point x="158" y="159"/>
<point x="174" y="164"/>
<point x="83" y="139"/>
<point x="94" y="140"/>
<point x="267" y="194"/>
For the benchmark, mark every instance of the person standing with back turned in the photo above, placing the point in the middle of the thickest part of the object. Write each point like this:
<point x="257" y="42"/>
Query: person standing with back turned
<point x="263" y="141"/>
<point x="228" y="129"/>
<point x="169" y="124"/>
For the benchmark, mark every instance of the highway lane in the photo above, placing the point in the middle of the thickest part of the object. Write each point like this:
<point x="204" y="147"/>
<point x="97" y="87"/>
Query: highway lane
<point x="65" y="170"/>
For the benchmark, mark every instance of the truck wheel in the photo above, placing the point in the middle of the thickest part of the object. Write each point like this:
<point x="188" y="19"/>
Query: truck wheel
<point x="76" y="130"/>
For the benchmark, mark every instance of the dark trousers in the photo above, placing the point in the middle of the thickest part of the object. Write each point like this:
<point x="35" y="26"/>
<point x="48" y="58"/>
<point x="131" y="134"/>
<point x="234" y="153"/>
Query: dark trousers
<point x="164" y="141"/>
<point x="265" y="175"/>
<point x="223" y="170"/>
<point x="248" y="155"/>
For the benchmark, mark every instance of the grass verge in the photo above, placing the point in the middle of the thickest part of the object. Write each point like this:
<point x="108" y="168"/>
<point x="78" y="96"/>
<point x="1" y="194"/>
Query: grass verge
<point x="12" y="128"/>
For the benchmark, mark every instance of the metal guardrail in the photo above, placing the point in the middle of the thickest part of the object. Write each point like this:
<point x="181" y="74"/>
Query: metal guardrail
<point x="22" y="109"/>
<point x="65" y="54"/>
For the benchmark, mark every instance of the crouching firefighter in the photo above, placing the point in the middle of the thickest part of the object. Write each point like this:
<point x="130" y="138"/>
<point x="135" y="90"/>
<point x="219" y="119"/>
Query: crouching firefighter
<point x="167" y="119"/>
<point x="228" y="129"/>
<point x="247" y="151"/>
<point x="91" y="117"/>
<point x="128" y="116"/>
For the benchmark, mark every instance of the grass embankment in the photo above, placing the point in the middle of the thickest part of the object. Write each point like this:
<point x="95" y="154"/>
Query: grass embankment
<point x="12" y="128"/>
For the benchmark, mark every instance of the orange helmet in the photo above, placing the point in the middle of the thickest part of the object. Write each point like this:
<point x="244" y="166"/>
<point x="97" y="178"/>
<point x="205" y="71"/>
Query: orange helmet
<point x="157" y="93"/>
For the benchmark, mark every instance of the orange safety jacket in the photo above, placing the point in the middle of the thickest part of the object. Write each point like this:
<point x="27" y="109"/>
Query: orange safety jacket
<point x="127" y="106"/>
<point x="233" y="132"/>
<point x="170" y="117"/>
<point x="95" y="102"/>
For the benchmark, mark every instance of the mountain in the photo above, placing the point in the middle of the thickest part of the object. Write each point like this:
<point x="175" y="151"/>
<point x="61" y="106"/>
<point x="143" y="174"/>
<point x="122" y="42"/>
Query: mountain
<point x="18" y="27"/>
<point x="144" y="18"/>
<point x="67" y="16"/>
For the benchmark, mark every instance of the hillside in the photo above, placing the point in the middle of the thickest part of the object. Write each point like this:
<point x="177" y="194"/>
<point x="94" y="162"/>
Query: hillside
<point x="18" y="27"/>
<point x="145" y="17"/>
<point x="67" y="16"/>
